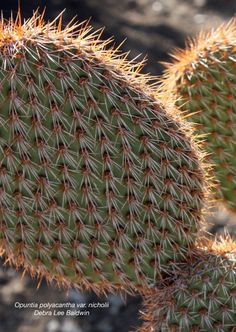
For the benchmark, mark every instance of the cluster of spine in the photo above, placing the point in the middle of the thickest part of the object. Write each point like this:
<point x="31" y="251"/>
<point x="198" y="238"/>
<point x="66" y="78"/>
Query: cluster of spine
<point x="203" y="77"/>
<point x="199" y="296"/>
<point x="100" y="186"/>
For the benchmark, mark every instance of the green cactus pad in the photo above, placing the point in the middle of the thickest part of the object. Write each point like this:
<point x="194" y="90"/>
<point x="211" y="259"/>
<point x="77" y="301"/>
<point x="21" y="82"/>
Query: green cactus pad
<point x="203" y="77"/>
<point x="200" y="298"/>
<point x="100" y="186"/>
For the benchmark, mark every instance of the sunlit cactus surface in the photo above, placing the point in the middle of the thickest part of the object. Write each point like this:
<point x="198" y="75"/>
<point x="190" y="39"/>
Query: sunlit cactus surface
<point x="100" y="186"/>
<point x="203" y="78"/>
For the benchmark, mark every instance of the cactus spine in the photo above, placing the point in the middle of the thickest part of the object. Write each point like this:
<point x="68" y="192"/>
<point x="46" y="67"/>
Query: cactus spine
<point x="203" y="78"/>
<point x="100" y="186"/>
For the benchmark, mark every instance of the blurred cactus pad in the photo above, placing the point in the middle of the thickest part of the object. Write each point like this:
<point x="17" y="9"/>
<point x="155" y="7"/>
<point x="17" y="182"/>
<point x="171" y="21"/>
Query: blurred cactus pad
<point x="100" y="186"/>
<point x="200" y="295"/>
<point x="203" y="78"/>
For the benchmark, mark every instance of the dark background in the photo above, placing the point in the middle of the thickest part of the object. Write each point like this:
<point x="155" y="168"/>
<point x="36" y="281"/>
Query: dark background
<point x="152" y="28"/>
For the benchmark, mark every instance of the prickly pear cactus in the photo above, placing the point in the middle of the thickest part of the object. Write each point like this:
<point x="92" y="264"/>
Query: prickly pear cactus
<point x="203" y="77"/>
<point x="100" y="186"/>
<point x="201" y="296"/>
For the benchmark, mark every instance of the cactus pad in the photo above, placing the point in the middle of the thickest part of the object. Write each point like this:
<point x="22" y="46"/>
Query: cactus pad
<point x="200" y="297"/>
<point x="100" y="186"/>
<point x="204" y="78"/>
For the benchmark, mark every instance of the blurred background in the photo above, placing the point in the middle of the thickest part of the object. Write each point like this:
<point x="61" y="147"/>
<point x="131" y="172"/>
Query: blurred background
<point x="152" y="28"/>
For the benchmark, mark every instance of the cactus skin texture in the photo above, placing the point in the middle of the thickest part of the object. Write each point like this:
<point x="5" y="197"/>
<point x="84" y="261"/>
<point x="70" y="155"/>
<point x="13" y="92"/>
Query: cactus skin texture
<point x="100" y="186"/>
<point x="203" y="77"/>
<point x="200" y="297"/>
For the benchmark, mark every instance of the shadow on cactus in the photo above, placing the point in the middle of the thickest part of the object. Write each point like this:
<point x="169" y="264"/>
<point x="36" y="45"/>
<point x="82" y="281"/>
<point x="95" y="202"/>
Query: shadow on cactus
<point x="100" y="187"/>
<point x="203" y="78"/>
